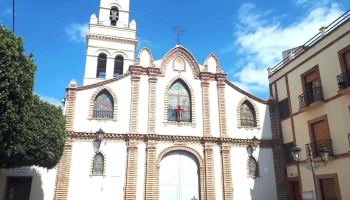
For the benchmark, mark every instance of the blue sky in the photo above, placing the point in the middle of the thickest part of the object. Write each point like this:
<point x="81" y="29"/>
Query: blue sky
<point x="247" y="37"/>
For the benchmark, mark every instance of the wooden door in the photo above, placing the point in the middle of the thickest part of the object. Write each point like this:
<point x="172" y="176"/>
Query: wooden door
<point x="347" y="60"/>
<point x="294" y="190"/>
<point x="328" y="189"/>
<point x="18" y="188"/>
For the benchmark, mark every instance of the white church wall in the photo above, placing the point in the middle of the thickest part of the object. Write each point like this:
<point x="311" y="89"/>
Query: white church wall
<point x="261" y="188"/>
<point x="112" y="31"/>
<point x="233" y="98"/>
<point x="214" y="109"/>
<point x="143" y="105"/>
<point x="141" y="171"/>
<point x="217" y="172"/>
<point x="84" y="186"/>
<point x="81" y="122"/>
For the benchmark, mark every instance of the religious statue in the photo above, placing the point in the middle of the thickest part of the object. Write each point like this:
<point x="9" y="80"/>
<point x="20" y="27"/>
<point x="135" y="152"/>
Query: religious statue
<point x="114" y="15"/>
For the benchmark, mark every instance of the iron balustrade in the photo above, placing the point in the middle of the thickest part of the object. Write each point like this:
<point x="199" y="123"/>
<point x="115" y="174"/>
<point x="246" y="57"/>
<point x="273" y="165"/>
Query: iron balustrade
<point x="314" y="95"/>
<point x="103" y="114"/>
<point x="317" y="146"/>
<point x="343" y="80"/>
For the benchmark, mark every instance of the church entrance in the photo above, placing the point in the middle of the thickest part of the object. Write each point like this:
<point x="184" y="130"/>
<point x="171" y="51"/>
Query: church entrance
<point x="179" y="176"/>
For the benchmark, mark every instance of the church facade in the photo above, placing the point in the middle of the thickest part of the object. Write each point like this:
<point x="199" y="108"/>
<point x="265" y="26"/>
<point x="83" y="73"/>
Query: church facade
<point x="167" y="129"/>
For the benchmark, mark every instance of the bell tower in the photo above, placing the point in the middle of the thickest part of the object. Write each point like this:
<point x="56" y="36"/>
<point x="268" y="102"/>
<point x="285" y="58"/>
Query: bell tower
<point x="111" y="42"/>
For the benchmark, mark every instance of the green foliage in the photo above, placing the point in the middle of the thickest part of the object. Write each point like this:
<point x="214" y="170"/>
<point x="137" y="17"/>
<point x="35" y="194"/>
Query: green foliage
<point x="33" y="129"/>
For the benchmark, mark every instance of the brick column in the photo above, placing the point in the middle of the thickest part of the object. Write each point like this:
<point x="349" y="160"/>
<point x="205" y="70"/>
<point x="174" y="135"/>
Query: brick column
<point x="227" y="190"/>
<point x="63" y="173"/>
<point x="135" y="84"/>
<point x="222" y="103"/>
<point x="70" y="104"/>
<point x="131" y="170"/>
<point x="151" y="178"/>
<point x="206" y="104"/>
<point x="278" y="154"/>
<point x="152" y="104"/>
<point x="209" y="171"/>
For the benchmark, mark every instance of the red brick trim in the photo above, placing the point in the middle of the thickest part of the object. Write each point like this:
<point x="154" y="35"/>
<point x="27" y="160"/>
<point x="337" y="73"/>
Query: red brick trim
<point x="222" y="104"/>
<point x="70" y="104"/>
<point x="102" y="83"/>
<point x="226" y="172"/>
<point x="92" y="101"/>
<point x="206" y="108"/>
<point x="151" y="176"/>
<point x="166" y="101"/>
<point x="131" y="170"/>
<point x="134" y="110"/>
<point x="205" y="68"/>
<point x="256" y="110"/>
<point x="245" y="93"/>
<point x="152" y="105"/>
<point x="210" y="192"/>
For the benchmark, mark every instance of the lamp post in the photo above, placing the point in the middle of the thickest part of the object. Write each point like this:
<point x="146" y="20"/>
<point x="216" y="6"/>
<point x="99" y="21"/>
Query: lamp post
<point x="324" y="157"/>
<point x="252" y="146"/>
<point x="99" y="136"/>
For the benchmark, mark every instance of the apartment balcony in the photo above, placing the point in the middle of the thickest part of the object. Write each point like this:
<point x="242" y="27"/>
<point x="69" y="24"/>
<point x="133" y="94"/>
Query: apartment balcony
<point x="311" y="99"/>
<point x="317" y="146"/>
<point x="343" y="80"/>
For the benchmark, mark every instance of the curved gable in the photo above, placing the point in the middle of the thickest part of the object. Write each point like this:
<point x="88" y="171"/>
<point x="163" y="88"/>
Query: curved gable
<point x="207" y="64"/>
<point x="144" y="54"/>
<point x="93" y="97"/>
<point x="176" y="52"/>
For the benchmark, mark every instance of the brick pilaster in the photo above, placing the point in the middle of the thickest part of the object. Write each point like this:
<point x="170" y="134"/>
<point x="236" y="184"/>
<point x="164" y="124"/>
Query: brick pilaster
<point x="152" y="104"/>
<point x="206" y="108"/>
<point x="209" y="171"/>
<point x="70" y="104"/>
<point x="226" y="173"/>
<point x="63" y="173"/>
<point x="151" y="178"/>
<point x="222" y="103"/>
<point x="131" y="170"/>
<point x="135" y="87"/>
<point x="278" y="154"/>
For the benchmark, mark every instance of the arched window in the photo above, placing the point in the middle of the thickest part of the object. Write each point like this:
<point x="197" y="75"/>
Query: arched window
<point x="103" y="106"/>
<point x="118" y="65"/>
<point x="179" y="97"/>
<point x="98" y="165"/>
<point x="101" y="65"/>
<point x="248" y="118"/>
<point x="114" y="16"/>
<point x="252" y="167"/>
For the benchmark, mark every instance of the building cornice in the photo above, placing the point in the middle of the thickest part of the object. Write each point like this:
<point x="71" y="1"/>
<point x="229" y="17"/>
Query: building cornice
<point x="111" y="38"/>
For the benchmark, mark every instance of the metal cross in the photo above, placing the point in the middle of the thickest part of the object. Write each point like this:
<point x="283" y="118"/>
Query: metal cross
<point x="178" y="31"/>
<point x="178" y="110"/>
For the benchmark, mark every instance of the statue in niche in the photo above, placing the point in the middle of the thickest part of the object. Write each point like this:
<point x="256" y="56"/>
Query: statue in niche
<point x="114" y="16"/>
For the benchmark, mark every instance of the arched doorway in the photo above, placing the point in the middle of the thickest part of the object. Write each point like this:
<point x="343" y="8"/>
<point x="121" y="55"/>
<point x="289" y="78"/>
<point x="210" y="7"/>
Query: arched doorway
<point x="179" y="176"/>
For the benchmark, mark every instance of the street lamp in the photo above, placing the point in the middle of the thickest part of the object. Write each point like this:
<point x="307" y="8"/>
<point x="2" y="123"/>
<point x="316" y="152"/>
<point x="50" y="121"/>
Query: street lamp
<point x="99" y="136"/>
<point x="252" y="146"/>
<point x="63" y="101"/>
<point x="324" y="157"/>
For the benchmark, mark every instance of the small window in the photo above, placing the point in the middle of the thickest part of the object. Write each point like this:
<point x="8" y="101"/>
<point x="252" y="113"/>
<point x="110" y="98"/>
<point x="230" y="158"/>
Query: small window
<point x="101" y="65"/>
<point x="284" y="108"/>
<point x="118" y="65"/>
<point x="247" y="112"/>
<point x="288" y="152"/>
<point x="98" y="165"/>
<point x="252" y="167"/>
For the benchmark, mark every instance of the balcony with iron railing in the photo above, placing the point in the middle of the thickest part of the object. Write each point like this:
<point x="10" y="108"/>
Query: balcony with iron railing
<point x="311" y="98"/>
<point x="103" y="114"/>
<point x="317" y="146"/>
<point x="343" y="80"/>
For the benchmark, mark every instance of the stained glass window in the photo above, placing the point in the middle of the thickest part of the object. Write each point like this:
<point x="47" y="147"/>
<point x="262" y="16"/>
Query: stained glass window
<point x="103" y="106"/>
<point x="179" y="96"/>
<point x="252" y="167"/>
<point x="98" y="164"/>
<point x="247" y="115"/>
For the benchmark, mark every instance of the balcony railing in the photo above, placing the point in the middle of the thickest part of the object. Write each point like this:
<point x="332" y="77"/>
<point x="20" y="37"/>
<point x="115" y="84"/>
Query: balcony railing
<point x="343" y="80"/>
<point x="317" y="146"/>
<point x="305" y="99"/>
<point x="103" y="114"/>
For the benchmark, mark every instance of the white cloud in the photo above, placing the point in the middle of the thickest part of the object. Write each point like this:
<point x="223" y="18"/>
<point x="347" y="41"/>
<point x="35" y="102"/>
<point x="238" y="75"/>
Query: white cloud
<point x="301" y="1"/>
<point x="51" y="100"/>
<point x="77" y="32"/>
<point x="260" y="40"/>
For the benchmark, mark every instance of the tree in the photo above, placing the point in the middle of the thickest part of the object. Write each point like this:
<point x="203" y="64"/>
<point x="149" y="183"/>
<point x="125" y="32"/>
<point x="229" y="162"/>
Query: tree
<point x="33" y="129"/>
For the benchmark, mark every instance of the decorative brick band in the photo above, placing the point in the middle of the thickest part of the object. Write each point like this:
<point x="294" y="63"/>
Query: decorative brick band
<point x="222" y="104"/>
<point x="63" y="173"/>
<point x="209" y="171"/>
<point x="70" y="104"/>
<point x="166" y="101"/>
<point x="226" y="172"/>
<point x="131" y="170"/>
<point x="135" y="87"/>
<point x="202" y="173"/>
<point x="151" y="176"/>
<point x="277" y="152"/>
<point x="152" y="105"/>
<point x="104" y="163"/>
<point x="256" y="112"/>
<point x="92" y="101"/>
<point x="206" y="109"/>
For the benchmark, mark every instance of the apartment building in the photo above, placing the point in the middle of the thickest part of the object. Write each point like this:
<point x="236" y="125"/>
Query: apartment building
<point x="311" y="86"/>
